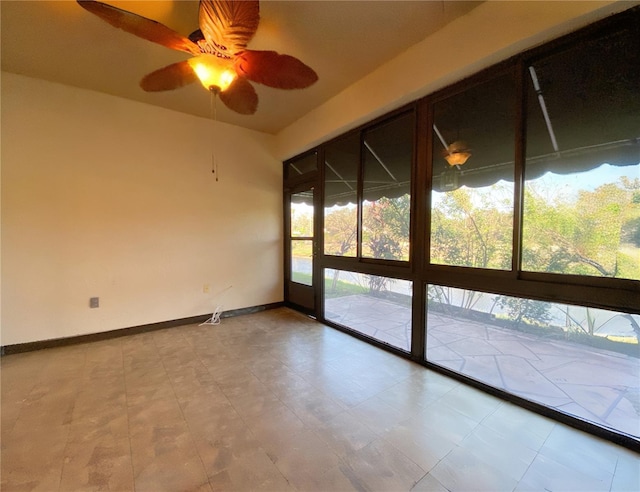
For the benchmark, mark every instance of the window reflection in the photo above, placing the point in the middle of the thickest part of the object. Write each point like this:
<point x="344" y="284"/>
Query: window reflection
<point x="386" y="206"/>
<point x="473" y="171"/>
<point x="341" y="160"/>
<point x="301" y="166"/>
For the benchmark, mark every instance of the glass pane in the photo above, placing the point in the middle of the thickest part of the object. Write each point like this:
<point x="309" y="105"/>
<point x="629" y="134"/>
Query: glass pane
<point x="582" y="189"/>
<point x="302" y="166"/>
<point x="302" y="214"/>
<point x="472" y="201"/>
<point x="387" y="190"/>
<point x="302" y="261"/>
<point x="378" y="307"/>
<point x="340" y="196"/>
<point x="581" y="361"/>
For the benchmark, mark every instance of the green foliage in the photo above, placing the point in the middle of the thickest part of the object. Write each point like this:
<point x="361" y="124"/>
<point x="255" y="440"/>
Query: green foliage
<point x="340" y="228"/>
<point x="338" y="288"/>
<point x="526" y="310"/>
<point x="590" y="233"/>
<point x="593" y="234"/>
<point x="473" y="228"/>
<point x="302" y="248"/>
<point x="385" y="228"/>
<point x="301" y="220"/>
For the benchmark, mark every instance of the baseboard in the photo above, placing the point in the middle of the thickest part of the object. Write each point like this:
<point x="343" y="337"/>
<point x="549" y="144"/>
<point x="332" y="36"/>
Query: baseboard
<point x="123" y="332"/>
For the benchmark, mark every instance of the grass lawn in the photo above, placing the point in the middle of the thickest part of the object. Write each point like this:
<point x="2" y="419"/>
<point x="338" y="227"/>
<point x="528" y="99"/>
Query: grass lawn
<point x="341" y="288"/>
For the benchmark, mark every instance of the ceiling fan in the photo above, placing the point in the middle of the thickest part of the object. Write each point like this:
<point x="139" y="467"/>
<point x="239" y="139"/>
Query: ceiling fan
<point x="221" y="60"/>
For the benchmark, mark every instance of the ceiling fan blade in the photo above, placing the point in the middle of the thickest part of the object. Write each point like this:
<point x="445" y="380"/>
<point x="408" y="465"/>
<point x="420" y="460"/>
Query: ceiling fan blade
<point x="275" y="70"/>
<point x="140" y="26"/>
<point x="240" y="97"/>
<point x="168" y="78"/>
<point x="228" y="25"/>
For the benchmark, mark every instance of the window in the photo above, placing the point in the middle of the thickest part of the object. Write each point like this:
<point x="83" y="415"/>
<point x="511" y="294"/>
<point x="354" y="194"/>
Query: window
<point x="582" y="189"/>
<point x="378" y="307"/>
<point x="302" y="237"/>
<point x="341" y="162"/>
<point x="581" y="361"/>
<point x="472" y="202"/>
<point x="386" y="205"/>
<point x="533" y="194"/>
<point x="301" y="166"/>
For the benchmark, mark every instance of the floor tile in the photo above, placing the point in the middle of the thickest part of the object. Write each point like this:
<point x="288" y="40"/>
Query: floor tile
<point x="417" y="446"/>
<point x="462" y="470"/>
<point x="581" y="452"/>
<point x="514" y="423"/>
<point x="381" y="467"/>
<point x="302" y="457"/>
<point x="252" y="471"/>
<point x="98" y="464"/>
<point x="275" y="401"/>
<point x="380" y="416"/>
<point x="547" y="474"/>
<point x="429" y="484"/>
<point x="506" y="455"/>
<point x="627" y="474"/>
<point x="345" y="433"/>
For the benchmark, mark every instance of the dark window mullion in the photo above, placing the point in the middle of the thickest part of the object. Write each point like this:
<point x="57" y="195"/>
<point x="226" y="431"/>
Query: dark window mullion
<point x="520" y="149"/>
<point x="360" y="193"/>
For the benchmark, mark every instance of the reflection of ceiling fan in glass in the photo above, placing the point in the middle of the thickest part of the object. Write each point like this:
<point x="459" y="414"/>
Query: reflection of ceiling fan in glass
<point x="221" y="60"/>
<point x="457" y="153"/>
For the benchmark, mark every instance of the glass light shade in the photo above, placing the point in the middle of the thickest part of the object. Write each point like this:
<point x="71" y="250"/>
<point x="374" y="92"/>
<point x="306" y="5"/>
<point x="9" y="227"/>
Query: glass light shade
<point x="215" y="74"/>
<point x="457" y="153"/>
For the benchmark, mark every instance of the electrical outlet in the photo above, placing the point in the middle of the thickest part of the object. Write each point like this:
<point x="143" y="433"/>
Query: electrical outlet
<point x="94" y="302"/>
<point x="206" y="288"/>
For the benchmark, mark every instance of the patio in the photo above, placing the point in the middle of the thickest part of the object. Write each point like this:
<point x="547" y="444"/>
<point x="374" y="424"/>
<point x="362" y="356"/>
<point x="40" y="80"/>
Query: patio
<point x="597" y="385"/>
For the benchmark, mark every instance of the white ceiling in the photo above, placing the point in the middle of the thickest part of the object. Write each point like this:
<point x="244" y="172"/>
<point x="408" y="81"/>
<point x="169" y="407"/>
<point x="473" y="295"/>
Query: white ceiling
<point x="341" y="40"/>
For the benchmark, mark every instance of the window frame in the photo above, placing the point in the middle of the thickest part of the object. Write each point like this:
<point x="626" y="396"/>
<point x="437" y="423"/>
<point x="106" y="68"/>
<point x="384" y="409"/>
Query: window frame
<point x="616" y="294"/>
<point x="506" y="68"/>
<point x="363" y="264"/>
<point x="592" y="291"/>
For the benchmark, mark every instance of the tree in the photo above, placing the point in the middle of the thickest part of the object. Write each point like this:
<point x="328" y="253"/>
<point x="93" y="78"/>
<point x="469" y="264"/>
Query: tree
<point x="529" y="310"/>
<point x="385" y="228"/>
<point x="473" y="228"/>
<point x="340" y="227"/>
<point x="582" y="235"/>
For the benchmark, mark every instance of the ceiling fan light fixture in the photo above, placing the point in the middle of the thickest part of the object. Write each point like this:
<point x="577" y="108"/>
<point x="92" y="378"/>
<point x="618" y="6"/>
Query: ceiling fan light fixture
<point x="457" y="153"/>
<point x="215" y="74"/>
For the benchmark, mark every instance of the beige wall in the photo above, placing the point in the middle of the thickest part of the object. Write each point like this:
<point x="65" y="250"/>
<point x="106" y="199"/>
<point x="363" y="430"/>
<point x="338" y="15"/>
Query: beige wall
<point x="490" y="33"/>
<point x="115" y="199"/>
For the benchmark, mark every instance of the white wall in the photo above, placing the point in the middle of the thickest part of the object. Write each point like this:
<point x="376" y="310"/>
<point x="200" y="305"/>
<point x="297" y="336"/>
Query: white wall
<point x="109" y="198"/>
<point x="488" y="34"/>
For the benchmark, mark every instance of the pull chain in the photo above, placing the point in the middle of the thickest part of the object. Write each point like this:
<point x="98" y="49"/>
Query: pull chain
<point x="214" y="116"/>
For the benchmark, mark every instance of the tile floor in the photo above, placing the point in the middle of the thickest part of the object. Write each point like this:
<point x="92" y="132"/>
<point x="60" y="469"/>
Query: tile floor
<point x="278" y="402"/>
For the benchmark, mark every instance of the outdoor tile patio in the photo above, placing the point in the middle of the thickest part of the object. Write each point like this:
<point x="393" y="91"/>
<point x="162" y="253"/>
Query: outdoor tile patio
<point x="600" y="386"/>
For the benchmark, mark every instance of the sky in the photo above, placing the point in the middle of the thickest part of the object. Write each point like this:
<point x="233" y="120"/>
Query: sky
<point x="587" y="181"/>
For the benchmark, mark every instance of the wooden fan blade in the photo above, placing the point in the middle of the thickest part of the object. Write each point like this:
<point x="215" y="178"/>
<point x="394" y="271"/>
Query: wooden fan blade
<point x="240" y="97"/>
<point x="140" y="26"/>
<point x="168" y="78"/>
<point x="228" y="25"/>
<point x="275" y="70"/>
